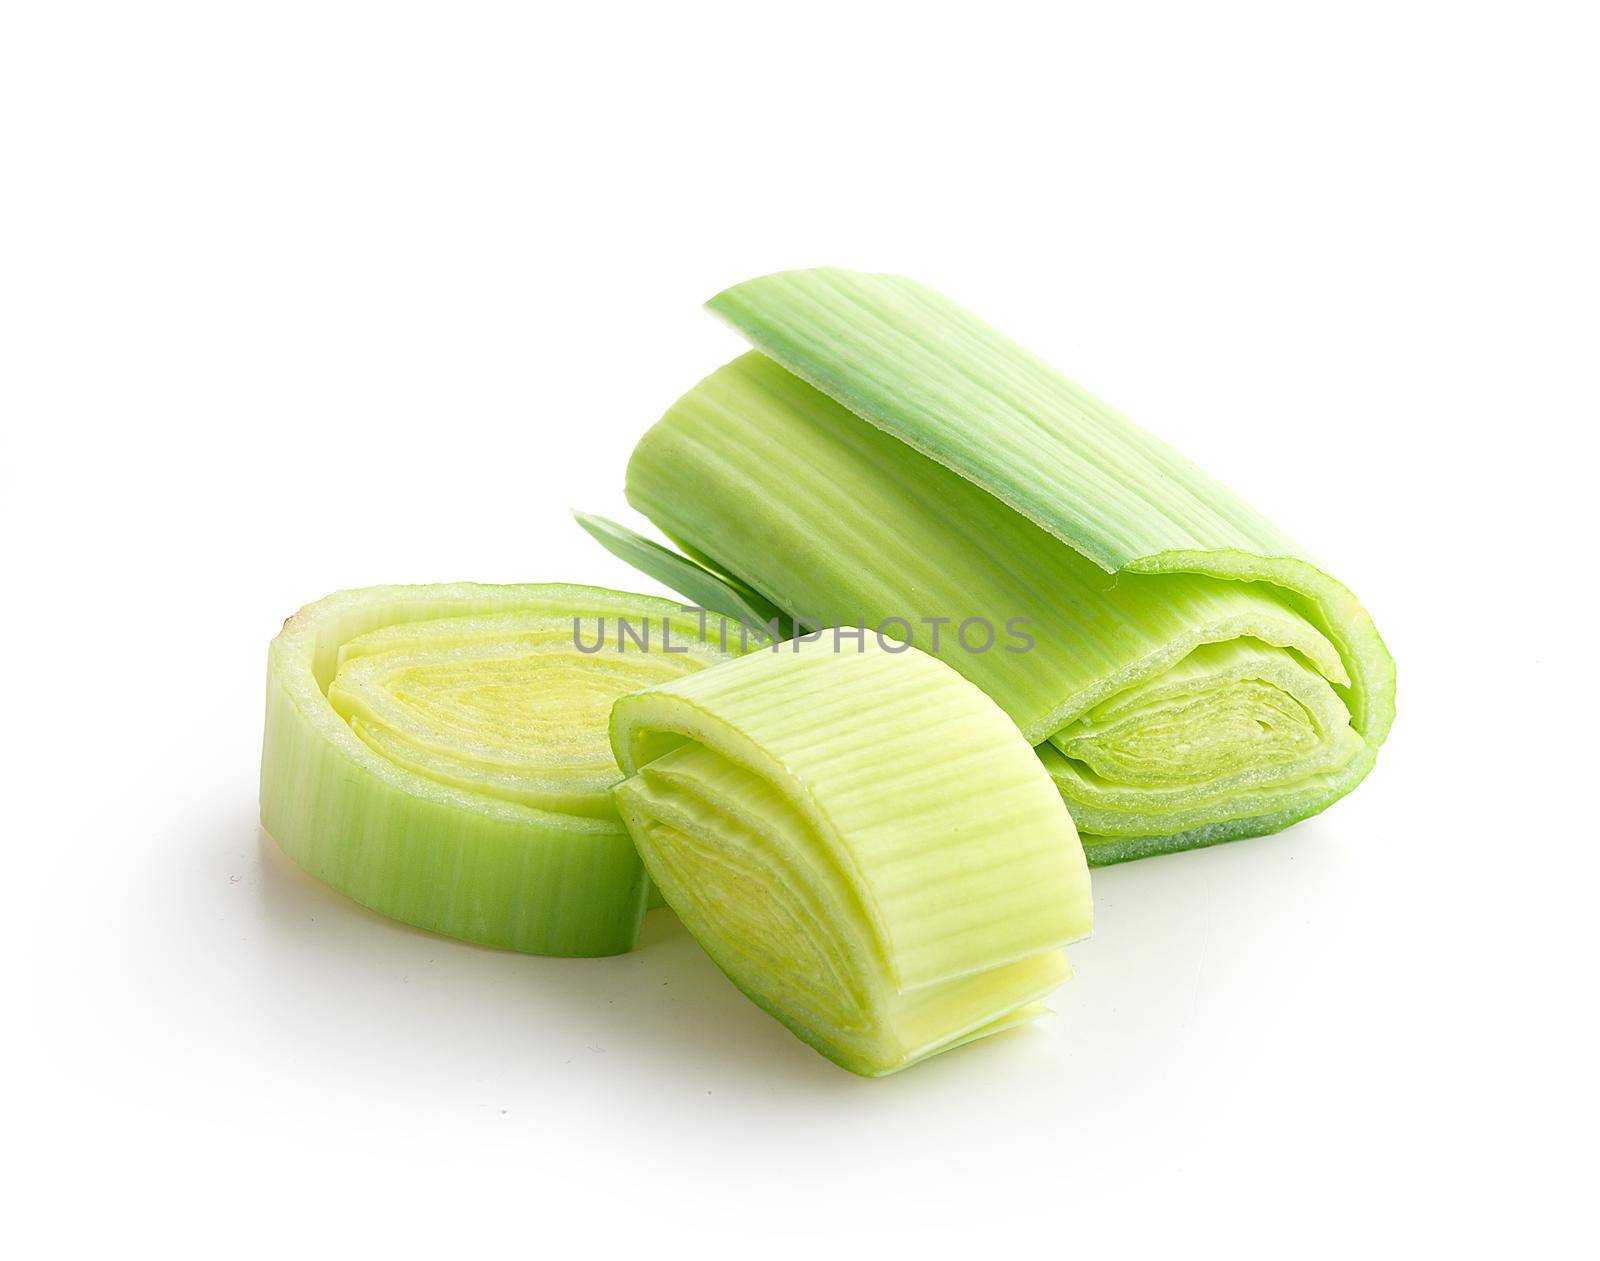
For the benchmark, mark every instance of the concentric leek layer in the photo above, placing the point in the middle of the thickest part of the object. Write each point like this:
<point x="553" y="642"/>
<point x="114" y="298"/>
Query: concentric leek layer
<point x="861" y="840"/>
<point x="440" y="754"/>
<point x="1188" y="674"/>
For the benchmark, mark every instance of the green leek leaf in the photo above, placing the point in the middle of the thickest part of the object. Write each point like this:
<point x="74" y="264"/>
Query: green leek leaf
<point x="696" y="579"/>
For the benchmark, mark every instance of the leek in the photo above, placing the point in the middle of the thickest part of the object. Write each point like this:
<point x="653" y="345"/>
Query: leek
<point x="440" y="754"/>
<point x="1188" y="674"/>
<point x="861" y="840"/>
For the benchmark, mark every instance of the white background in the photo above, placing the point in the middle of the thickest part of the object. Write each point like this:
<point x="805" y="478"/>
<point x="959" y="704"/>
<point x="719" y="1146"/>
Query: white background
<point x="297" y="298"/>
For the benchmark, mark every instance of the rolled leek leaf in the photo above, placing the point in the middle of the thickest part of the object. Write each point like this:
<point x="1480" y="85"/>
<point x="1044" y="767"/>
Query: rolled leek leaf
<point x="862" y="842"/>
<point x="1188" y="673"/>
<point x="440" y="754"/>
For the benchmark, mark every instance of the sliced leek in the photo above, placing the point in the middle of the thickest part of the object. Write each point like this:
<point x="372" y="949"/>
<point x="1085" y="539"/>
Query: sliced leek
<point x="440" y="754"/>
<point x="1188" y="673"/>
<point x="861" y="840"/>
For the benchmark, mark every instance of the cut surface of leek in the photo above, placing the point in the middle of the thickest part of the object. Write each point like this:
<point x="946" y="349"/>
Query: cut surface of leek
<point x="440" y="754"/>
<point x="861" y="840"/>
<point x="1190" y="674"/>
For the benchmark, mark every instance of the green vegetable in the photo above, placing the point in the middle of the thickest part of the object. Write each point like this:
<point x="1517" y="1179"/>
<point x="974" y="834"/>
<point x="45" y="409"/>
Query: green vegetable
<point x="439" y="753"/>
<point x="1188" y="673"/>
<point x="861" y="840"/>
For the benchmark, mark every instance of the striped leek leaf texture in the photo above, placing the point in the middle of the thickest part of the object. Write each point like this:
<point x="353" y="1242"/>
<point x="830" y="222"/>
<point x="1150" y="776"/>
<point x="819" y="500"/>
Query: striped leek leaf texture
<point x="440" y="754"/>
<point x="862" y="841"/>
<point x="1186" y="672"/>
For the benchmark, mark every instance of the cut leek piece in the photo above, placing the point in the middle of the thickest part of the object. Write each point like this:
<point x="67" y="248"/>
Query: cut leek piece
<point x="440" y="754"/>
<point x="861" y="840"/>
<point x="1188" y="673"/>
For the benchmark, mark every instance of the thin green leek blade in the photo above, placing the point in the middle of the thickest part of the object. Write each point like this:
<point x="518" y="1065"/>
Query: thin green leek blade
<point x="717" y="593"/>
<point x="1188" y="673"/>
<point x="861" y="840"/>
<point x="440" y="754"/>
